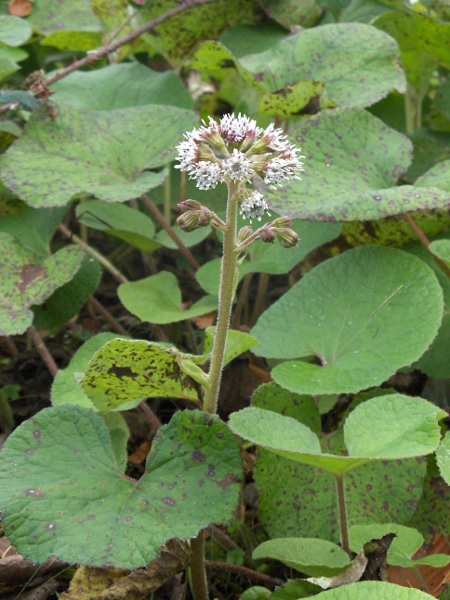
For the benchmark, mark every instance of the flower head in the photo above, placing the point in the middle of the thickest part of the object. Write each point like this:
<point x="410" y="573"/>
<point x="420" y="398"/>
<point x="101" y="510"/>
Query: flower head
<point x="235" y="149"/>
<point x="254" y="207"/>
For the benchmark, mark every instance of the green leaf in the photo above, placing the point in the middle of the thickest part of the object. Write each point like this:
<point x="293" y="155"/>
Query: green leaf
<point x="256" y="592"/>
<point x="436" y="177"/>
<point x="291" y="12"/>
<point x="9" y="57"/>
<point x="404" y="545"/>
<point x="121" y="86"/>
<point x="271" y="396"/>
<point x="304" y="500"/>
<point x="443" y="458"/>
<point x="358" y="348"/>
<point x="409" y="428"/>
<point x="27" y="280"/>
<point x="418" y="32"/>
<point x="60" y="482"/>
<point x="157" y="299"/>
<point x="125" y="370"/>
<point x="66" y="389"/>
<point x="353" y="162"/>
<point x="238" y="342"/>
<point x="251" y="39"/>
<point x="14" y="31"/>
<point x="123" y="222"/>
<point x="288" y="438"/>
<point x="311" y="556"/>
<point x="34" y="228"/>
<point x="25" y="99"/>
<point x="441" y="249"/>
<point x="295" y="589"/>
<point x="67" y="300"/>
<point x="332" y="54"/>
<point x="57" y="15"/>
<point x="373" y="590"/>
<point x="107" y="154"/>
<point x="272" y="258"/>
<point x="119" y="434"/>
<point x="177" y="37"/>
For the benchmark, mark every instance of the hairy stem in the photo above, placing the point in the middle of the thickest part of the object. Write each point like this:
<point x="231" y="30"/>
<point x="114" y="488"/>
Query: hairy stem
<point x="226" y="295"/>
<point x="198" y="581"/>
<point x="343" y="522"/>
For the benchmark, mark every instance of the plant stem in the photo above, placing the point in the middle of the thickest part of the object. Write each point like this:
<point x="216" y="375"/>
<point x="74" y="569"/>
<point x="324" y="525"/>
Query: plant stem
<point x="165" y="225"/>
<point x="198" y="581"/>
<point x="272" y="581"/>
<point x="97" y="306"/>
<point x="43" y="350"/>
<point x="101" y="259"/>
<point x="426" y="242"/>
<point x="343" y="522"/>
<point x="226" y="295"/>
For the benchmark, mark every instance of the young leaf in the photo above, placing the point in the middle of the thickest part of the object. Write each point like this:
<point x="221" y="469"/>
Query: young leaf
<point x="358" y="314"/>
<point x="311" y="556"/>
<point x="63" y="494"/>
<point x="373" y="590"/>
<point x="27" y="280"/>
<point x="353" y="164"/>
<point x="157" y="299"/>
<point x="409" y="427"/>
<point x="125" y="370"/>
<point x="108" y="154"/>
<point x="129" y="225"/>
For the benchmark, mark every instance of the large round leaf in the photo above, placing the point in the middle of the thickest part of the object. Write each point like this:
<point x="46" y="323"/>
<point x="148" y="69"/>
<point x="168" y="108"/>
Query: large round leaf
<point x="358" y="64"/>
<point x="358" y="314"/>
<point x="373" y="590"/>
<point x="353" y="162"/>
<point x="107" y="154"/>
<point x="62" y="493"/>
<point x="27" y="280"/>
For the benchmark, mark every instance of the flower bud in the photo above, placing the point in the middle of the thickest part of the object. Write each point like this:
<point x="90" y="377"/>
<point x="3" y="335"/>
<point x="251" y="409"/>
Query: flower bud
<point x="244" y="234"/>
<point x="266" y="234"/>
<point x="287" y="238"/>
<point x="189" y="205"/>
<point x="282" y="223"/>
<point x="193" y="219"/>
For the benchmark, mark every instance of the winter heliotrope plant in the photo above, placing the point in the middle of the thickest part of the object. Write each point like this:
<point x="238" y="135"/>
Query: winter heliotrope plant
<point x="233" y="151"/>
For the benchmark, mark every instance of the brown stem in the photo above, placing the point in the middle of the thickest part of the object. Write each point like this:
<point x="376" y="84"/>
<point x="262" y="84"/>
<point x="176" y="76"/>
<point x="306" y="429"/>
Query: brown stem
<point x="151" y="415"/>
<point x="426" y="242"/>
<point x="101" y="259"/>
<point x="43" y="350"/>
<point x="165" y="225"/>
<point x="272" y="581"/>
<point x="90" y="58"/>
<point x="96" y="305"/>
<point x="12" y="348"/>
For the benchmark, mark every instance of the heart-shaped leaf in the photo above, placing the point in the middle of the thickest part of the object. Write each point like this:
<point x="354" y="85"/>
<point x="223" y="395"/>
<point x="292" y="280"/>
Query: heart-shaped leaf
<point x="357" y="314"/>
<point x="62" y="493"/>
<point x="27" y="280"/>
<point x="353" y="162"/>
<point x="373" y="590"/>
<point x="107" y="154"/>
<point x="409" y="426"/>
<point x="311" y="556"/>
<point x="157" y="299"/>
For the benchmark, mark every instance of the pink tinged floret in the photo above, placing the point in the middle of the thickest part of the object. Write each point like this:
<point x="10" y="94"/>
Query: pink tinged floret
<point x="236" y="129"/>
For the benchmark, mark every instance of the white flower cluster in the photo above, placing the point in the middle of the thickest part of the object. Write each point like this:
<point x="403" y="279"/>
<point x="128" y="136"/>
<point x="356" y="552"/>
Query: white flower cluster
<point x="254" y="207"/>
<point x="235" y="149"/>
